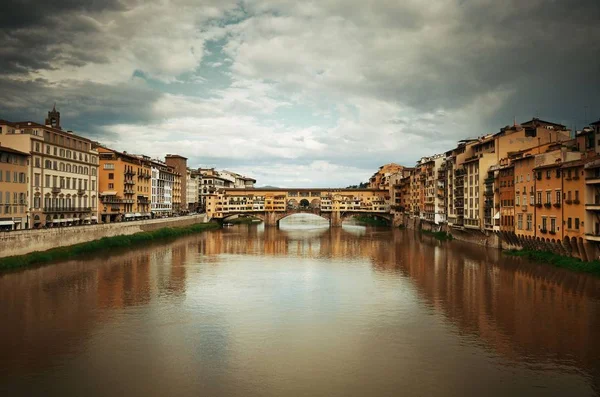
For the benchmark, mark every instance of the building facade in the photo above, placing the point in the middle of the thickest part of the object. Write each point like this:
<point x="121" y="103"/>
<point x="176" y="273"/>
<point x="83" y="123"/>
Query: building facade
<point x="162" y="181"/>
<point x="124" y="186"/>
<point x="62" y="174"/>
<point x="179" y="164"/>
<point x="14" y="170"/>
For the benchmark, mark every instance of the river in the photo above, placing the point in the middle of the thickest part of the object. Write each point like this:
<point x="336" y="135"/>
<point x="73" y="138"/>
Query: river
<point x="300" y="311"/>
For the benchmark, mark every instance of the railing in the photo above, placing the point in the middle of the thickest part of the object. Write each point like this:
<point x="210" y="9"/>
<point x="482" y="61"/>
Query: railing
<point x="129" y="182"/>
<point x="55" y="190"/>
<point x="66" y="209"/>
<point x="80" y="192"/>
<point x="129" y="172"/>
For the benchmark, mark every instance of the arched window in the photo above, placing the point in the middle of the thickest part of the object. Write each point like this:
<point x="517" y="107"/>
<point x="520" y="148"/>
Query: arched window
<point x="80" y="169"/>
<point x="85" y="170"/>
<point x="62" y="166"/>
<point x="68" y="167"/>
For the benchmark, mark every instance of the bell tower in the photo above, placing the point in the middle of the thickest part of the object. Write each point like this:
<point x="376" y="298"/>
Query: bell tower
<point x="53" y="119"/>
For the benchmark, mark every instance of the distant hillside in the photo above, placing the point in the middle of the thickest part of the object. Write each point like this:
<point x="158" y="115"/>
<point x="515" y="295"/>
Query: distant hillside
<point x="362" y="185"/>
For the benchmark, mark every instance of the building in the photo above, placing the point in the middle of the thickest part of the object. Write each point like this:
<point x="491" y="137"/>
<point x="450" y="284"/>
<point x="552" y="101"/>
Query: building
<point x="163" y="178"/>
<point x="506" y="181"/>
<point x="62" y="175"/>
<point x="14" y="170"/>
<point x="524" y="163"/>
<point x="193" y="179"/>
<point x="381" y="179"/>
<point x="238" y="181"/>
<point x="179" y="164"/>
<point x="124" y="186"/>
<point x="574" y="209"/>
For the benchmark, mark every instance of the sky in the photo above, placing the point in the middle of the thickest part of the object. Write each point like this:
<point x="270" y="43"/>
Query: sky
<point x="298" y="93"/>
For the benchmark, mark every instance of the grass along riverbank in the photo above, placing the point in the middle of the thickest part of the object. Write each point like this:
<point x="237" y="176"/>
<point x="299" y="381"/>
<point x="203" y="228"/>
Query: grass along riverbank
<point x="442" y="236"/>
<point x="565" y="262"/>
<point x="73" y="251"/>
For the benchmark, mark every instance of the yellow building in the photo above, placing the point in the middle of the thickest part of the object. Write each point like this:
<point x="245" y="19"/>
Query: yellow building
<point x="124" y="186"/>
<point x="14" y="168"/>
<point x="573" y="187"/>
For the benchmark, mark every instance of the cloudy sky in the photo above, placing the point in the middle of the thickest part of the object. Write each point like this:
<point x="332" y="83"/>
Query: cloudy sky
<point x="298" y="93"/>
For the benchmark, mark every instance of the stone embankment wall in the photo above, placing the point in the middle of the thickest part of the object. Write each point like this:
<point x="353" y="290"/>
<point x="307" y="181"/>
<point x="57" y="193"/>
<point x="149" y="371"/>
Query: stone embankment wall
<point x="578" y="248"/>
<point x="27" y="241"/>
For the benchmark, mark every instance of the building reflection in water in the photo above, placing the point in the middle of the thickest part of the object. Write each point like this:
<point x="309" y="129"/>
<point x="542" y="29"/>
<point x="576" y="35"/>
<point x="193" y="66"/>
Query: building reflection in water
<point x="527" y="313"/>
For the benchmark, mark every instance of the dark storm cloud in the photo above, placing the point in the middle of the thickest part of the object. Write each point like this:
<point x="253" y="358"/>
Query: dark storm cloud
<point x="85" y="106"/>
<point x="36" y="35"/>
<point x="546" y="52"/>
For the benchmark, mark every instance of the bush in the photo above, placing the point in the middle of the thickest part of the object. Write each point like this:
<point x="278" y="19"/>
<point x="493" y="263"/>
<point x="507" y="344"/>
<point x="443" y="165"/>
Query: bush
<point x="63" y="253"/>
<point x="442" y="236"/>
<point x="565" y="262"/>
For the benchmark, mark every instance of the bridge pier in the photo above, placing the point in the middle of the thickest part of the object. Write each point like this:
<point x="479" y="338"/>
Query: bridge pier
<point x="271" y="219"/>
<point x="336" y="219"/>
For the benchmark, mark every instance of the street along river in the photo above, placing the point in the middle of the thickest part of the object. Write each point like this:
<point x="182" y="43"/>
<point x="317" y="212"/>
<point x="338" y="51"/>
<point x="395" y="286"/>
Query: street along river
<point x="305" y="311"/>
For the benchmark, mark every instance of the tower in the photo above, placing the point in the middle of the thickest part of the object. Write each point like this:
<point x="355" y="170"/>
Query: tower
<point x="53" y="118"/>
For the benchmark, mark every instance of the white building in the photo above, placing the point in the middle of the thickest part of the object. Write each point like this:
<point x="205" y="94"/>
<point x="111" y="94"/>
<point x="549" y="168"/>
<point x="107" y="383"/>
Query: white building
<point x="163" y="177"/>
<point x="192" y="189"/>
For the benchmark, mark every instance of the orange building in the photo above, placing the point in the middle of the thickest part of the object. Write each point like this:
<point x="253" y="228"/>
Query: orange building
<point x="124" y="186"/>
<point x="13" y="189"/>
<point x="524" y="195"/>
<point x="506" y="181"/>
<point x="573" y="188"/>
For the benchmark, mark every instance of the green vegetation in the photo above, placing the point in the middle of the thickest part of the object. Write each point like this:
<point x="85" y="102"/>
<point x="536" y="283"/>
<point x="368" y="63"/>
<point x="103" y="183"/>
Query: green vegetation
<point x="565" y="262"/>
<point x="242" y="220"/>
<point x="370" y="220"/>
<point x="442" y="236"/>
<point x="122" y="241"/>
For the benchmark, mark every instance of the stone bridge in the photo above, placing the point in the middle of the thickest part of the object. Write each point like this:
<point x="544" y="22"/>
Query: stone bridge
<point x="273" y="205"/>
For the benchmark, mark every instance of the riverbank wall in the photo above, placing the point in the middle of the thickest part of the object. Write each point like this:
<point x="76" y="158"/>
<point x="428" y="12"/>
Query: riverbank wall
<point x="27" y="241"/>
<point x="574" y="247"/>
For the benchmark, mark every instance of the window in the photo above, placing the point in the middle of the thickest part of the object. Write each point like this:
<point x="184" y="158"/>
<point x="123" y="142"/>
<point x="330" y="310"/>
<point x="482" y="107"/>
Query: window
<point x="517" y="201"/>
<point x="544" y="223"/>
<point x="48" y="164"/>
<point x="553" y="225"/>
<point x="539" y="197"/>
<point x="36" y="202"/>
<point x="548" y="197"/>
<point x="529" y="221"/>
<point x="36" y="180"/>
<point x="558" y="197"/>
<point x="37" y="146"/>
<point x="7" y="178"/>
<point x="111" y="176"/>
<point x="527" y="177"/>
<point x="569" y="173"/>
<point x="569" y="223"/>
<point x="111" y="185"/>
<point x="524" y="200"/>
<point x="520" y="221"/>
<point x="54" y="181"/>
<point x="38" y="162"/>
<point x="548" y="174"/>
<point x="576" y="223"/>
<point x="576" y="195"/>
<point x="47" y="181"/>
<point x="109" y="166"/>
<point x="569" y="195"/>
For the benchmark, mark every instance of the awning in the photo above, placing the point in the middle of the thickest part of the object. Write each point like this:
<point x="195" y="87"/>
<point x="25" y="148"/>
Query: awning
<point x="56" y="221"/>
<point x="7" y="223"/>
<point x="70" y="220"/>
<point x="108" y="193"/>
<point x="94" y="218"/>
<point x="497" y="216"/>
<point x="63" y="220"/>
<point x="75" y="219"/>
<point x="128" y="215"/>
<point x="138" y="214"/>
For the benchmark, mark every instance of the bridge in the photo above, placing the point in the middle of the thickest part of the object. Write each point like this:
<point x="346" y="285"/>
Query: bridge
<point x="273" y="205"/>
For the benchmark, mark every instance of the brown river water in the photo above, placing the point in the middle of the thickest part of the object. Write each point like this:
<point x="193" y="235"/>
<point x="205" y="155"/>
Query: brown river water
<point x="300" y="311"/>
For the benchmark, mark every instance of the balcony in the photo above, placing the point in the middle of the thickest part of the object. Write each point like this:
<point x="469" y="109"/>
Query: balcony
<point x="55" y="190"/>
<point x="556" y="205"/>
<point x="55" y="210"/>
<point x="547" y="205"/>
<point x="129" y="172"/>
<point x="592" y="179"/>
<point x="568" y="201"/>
<point x="129" y="191"/>
<point x="593" y="207"/>
<point x="543" y="231"/>
<point x="80" y="192"/>
<point x="129" y="182"/>
<point x="593" y="236"/>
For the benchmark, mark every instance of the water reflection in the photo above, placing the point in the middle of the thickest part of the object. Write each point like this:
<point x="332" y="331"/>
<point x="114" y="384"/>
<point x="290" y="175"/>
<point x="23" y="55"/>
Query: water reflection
<point x="250" y="311"/>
